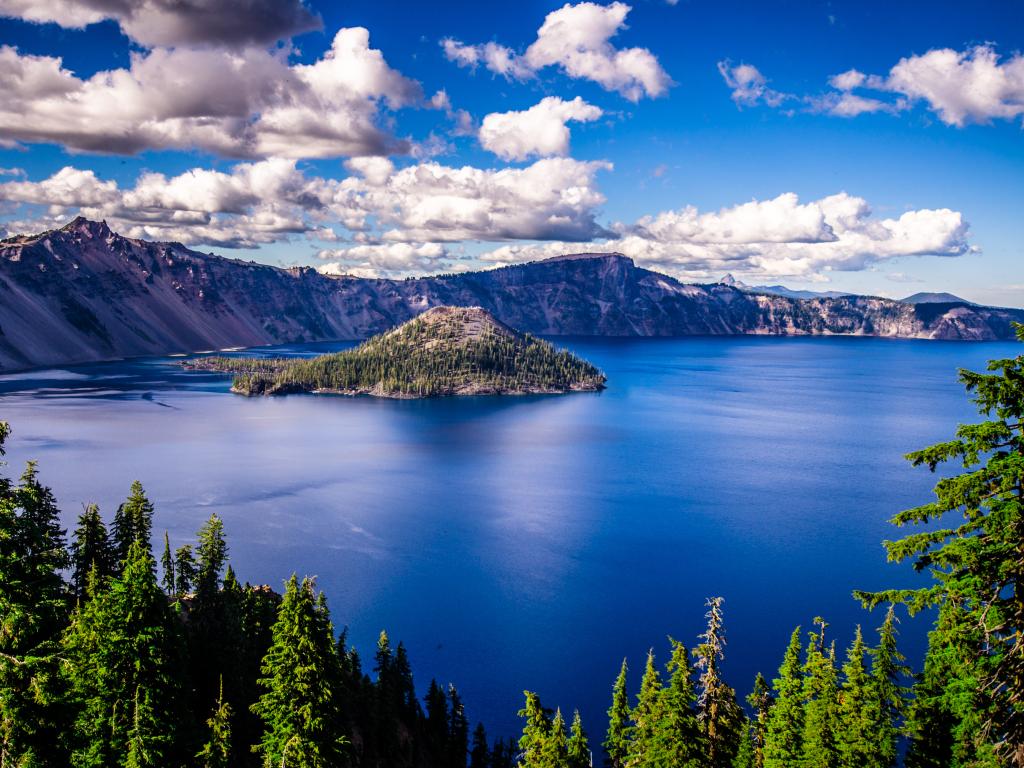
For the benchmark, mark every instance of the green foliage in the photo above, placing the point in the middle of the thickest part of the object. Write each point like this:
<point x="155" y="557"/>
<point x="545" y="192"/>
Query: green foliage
<point x="216" y="752"/>
<point x="784" y="738"/>
<point x="133" y="522"/>
<point x="972" y="543"/>
<point x="185" y="570"/>
<point x="578" y="748"/>
<point x="421" y="358"/>
<point x="616" y="744"/>
<point x="645" y="746"/>
<point x="821" y="702"/>
<point x="90" y="547"/>
<point x="760" y="701"/>
<point x="300" y="705"/>
<point x="719" y="716"/>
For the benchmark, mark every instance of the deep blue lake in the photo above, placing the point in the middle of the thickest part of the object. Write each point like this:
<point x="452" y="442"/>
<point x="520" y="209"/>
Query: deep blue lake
<point x="532" y="542"/>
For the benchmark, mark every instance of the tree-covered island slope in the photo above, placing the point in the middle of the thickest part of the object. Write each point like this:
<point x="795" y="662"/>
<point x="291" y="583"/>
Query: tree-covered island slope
<point x="444" y="351"/>
<point x="109" y="660"/>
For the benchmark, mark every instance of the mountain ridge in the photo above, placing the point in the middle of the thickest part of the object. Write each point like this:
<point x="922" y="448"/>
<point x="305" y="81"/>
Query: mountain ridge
<point x="84" y="293"/>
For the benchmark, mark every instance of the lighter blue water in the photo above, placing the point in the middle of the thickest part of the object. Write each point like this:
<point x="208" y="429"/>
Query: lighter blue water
<point x="532" y="542"/>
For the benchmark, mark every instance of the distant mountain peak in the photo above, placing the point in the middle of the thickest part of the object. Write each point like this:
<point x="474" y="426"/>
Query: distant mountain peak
<point x="83" y="226"/>
<point x="929" y="297"/>
<point x="590" y="255"/>
<point x="728" y="279"/>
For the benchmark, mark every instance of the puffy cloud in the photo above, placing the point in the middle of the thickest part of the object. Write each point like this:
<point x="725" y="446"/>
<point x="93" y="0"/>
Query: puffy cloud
<point x="749" y="86"/>
<point x="773" y="238"/>
<point x="248" y="103"/>
<point x="963" y="86"/>
<point x="540" y="130"/>
<point x="272" y="200"/>
<point x="172" y="22"/>
<point x="971" y="86"/>
<point x="576" y="39"/>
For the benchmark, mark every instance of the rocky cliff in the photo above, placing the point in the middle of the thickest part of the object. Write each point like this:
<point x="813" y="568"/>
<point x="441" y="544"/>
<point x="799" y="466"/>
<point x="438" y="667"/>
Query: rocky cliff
<point x="84" y="293"/>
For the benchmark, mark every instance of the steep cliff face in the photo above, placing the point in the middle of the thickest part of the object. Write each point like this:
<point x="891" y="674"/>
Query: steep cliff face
<point x="84" y="293"/>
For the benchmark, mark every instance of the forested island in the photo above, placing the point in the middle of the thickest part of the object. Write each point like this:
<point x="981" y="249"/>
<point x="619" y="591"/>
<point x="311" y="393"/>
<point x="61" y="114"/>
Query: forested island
<point x="444" y="351"/>
<point x="107" y="659"/>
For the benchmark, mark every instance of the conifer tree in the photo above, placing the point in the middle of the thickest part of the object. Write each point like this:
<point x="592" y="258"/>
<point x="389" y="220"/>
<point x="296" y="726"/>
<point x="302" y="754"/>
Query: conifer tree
<point x="887" y="669"/>
<point x="579" y="745"/>
<point x="555" y="748"/>
<point x="783" y="746"/>
<point x="857" y="714"/>
<point x="122" y="652"/>
<point x="216" y="752"/>
<point x="977" y="561"/>
<point x="535" y="732"/>
<point x="617" y="742"/>
<point x="458" y="730"/>
<point x="300" y="705"/>
<point x="184" y="570"/>
<point x="167" y="567"/>
<point x="719" y="716"/>
<point x="436" y="726"/>
<point x="645" y="747"/>
<point x="90" y="546"/>
<point x="133" y="522"/>
<point x="820" y="703"/>
<point x="681" y="742"/>
<point x="479" y="754"/>
<point x="212" y="553"/>
<point x="760" y="700"/>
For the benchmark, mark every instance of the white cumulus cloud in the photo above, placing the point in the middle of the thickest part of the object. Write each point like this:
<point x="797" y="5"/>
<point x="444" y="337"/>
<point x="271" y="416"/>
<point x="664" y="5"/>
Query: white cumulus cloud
<point x="540" y="130"/>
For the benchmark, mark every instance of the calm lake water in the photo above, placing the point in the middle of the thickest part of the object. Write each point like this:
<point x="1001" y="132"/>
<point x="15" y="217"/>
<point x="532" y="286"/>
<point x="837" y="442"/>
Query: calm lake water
<point x="532" y="542"/>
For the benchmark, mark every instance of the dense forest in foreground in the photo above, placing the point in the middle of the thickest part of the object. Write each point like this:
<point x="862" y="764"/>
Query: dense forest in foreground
<point x="108" y="658"/>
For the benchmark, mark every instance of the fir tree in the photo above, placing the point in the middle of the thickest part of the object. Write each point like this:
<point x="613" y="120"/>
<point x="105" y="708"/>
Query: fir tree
<point x="718" y="714"/>
<point x="820" y="696"/>
<point x="760" y="700"/>
<point x="300" y="707"/>
<point x="578" y="748"/>
<point x="554" y="751"/>
<point x="90" y="546"/>
<point x="436" y="726"/>
<point x="184" y="569"/>
<point x="857" y="714"/>
<point x="681" y="742"/>
<point x="216" y="752"/>
<point x="167" y="566"/>
<point x="212" y="552"/>
<point x="458" y="730"/>
<point x="133" y="522"/>
<point x="535" y="732"/>
<point x="617" y="742"/>
<point x="977" y="561"/>
<point x="479" y="754"/>
<point x="784" y="740"/>
<point x="887" y="669"/>
<point x="645" y="747"/>
<point x="123" y="654"/>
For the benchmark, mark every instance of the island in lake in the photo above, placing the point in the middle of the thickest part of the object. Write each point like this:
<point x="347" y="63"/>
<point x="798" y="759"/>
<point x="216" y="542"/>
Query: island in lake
<point x="444" y="351"/>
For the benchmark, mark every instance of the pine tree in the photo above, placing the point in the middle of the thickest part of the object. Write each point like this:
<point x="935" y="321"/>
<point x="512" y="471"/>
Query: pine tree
<point x="458" y="730"/>
<point x="300" y="704"/>
<point x="977" y="561"/>
<point x="719" y="716"/>
<point x="857" y="718"/>
<point x="760" y="700"/>
<point x="535" y="732"/>
<point x="681" y="742"/>
<point x="555" y="748"/>
<point x="212" y="552"/>
<point x="887" y="669"/>
<point x="133" y="522"/>
<point x="578" y="747"/>
<point x="645" y="747"/>
<point x="167" y="566"/>
<point x="820" y="703"/>
<point x="216" y="752"/>
<point x="184" y="570"/>
<point x="122" y="648"/>
<point x="436" y="726"/>
<point x="617" y="742"/>
<point x="784" y="740"/>
<point x="90" y="546"/>
<point x="479" y="754"/>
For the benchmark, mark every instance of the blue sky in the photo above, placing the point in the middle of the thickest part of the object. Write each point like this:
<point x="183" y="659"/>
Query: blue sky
<point x="698" y="138"/>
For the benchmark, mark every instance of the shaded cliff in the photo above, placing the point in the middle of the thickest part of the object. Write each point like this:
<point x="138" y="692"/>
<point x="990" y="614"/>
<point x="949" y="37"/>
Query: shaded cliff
<point x="84" y="293"/>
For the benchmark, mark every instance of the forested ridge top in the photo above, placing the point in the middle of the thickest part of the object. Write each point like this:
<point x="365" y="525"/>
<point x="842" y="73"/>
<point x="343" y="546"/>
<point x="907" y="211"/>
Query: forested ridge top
<point x="84" y="293"/>
<point x="444" y="351"/>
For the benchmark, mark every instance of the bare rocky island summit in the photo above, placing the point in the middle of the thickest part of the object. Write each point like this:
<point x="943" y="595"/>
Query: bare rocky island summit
<point x="444" y="351"/>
